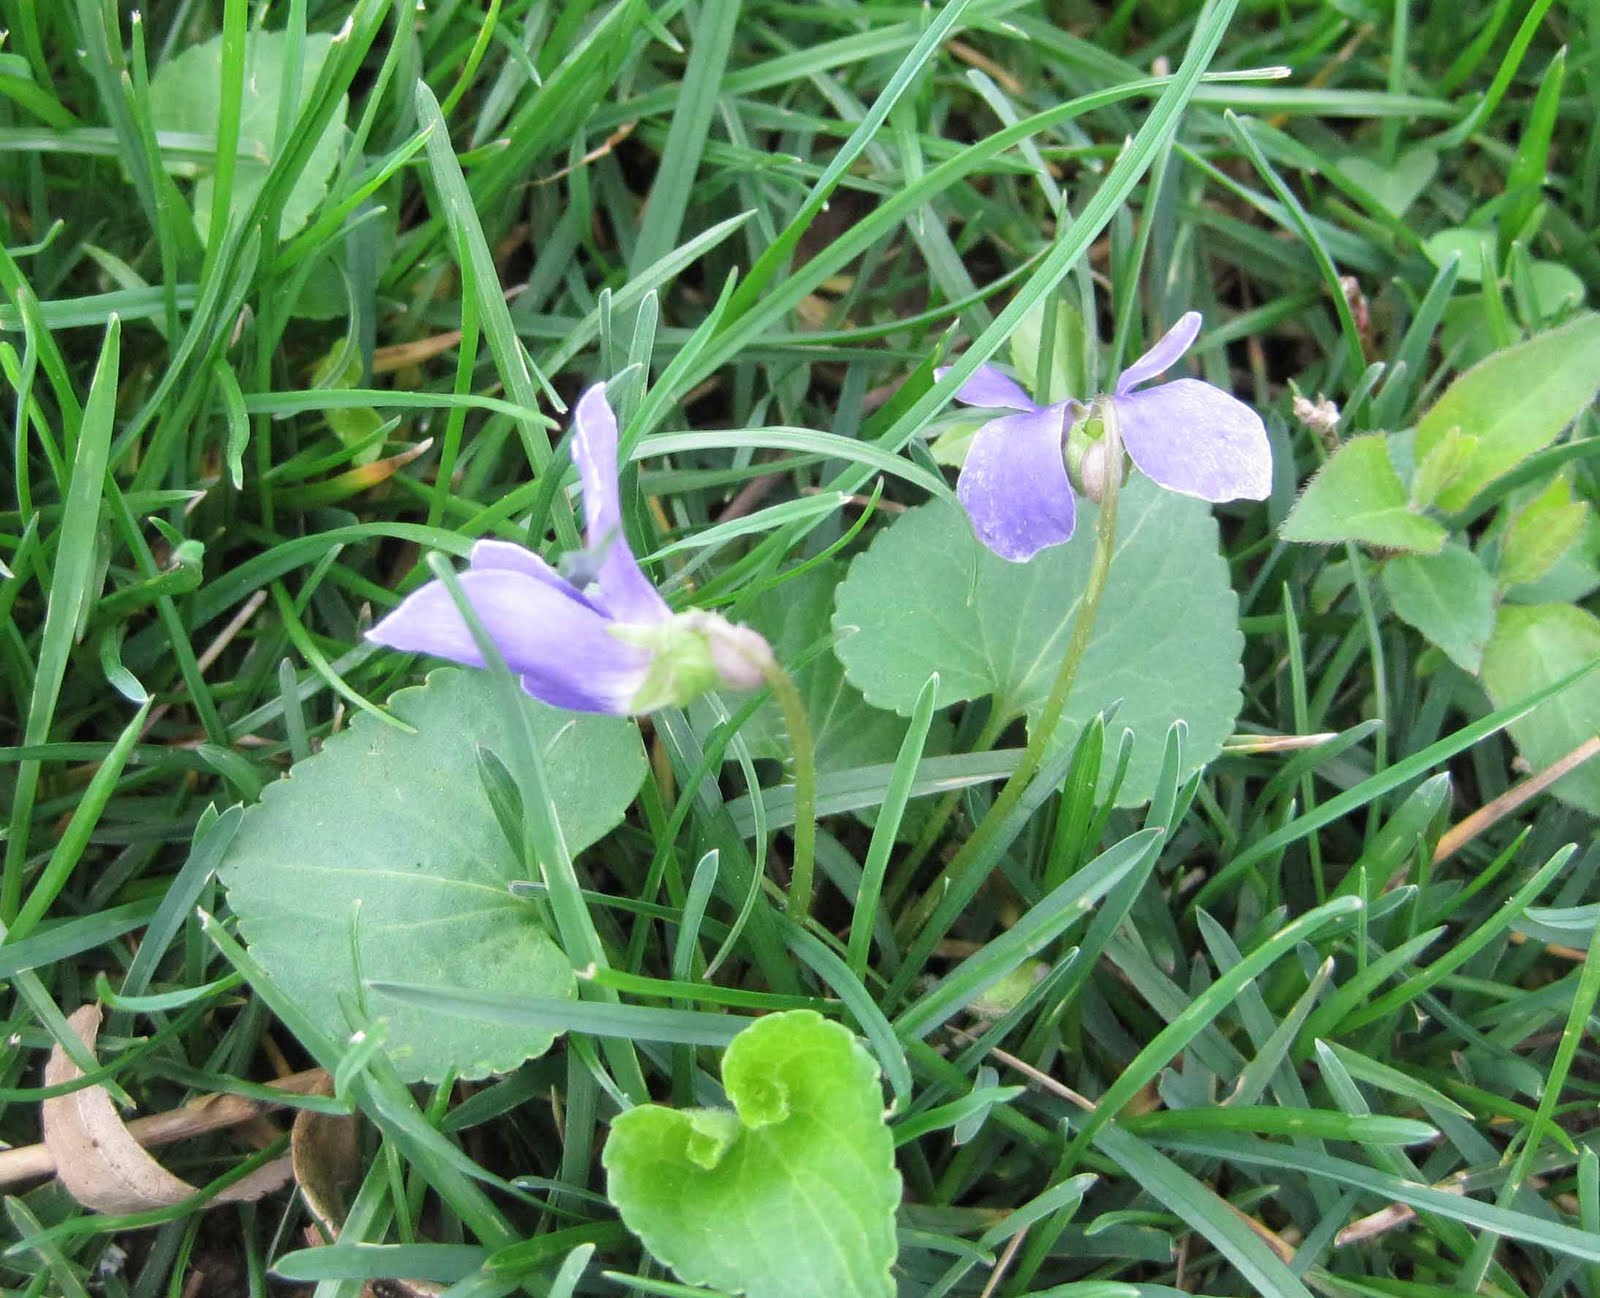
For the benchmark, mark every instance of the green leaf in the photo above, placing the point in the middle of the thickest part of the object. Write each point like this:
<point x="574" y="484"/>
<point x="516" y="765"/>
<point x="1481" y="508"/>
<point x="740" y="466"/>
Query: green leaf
<point x="1575" y="576"/>
<point x="1445" y="463"/>
<point x="1541" y="532"/>
<point x="1449" y="597"/>
<point x="1474" y="247"/>
<point x="849" y="732"/>
<point x="1067" y="376"/>
<point x="792" y="1193"/>
<point x="185" y="95"/>
<point x="1535" y="645"/>
<point x="387" y="841"/>
<point x="1515" y="402"/>
<point x="1465" y="330"/>
<point x="341" y="368"/>
<point x="1399" y="186"/>
<point x="950" y="447"/>
<point x="927" y="597"/>
<point x="1358" y="496"/>
<point x="1557" y="288"/>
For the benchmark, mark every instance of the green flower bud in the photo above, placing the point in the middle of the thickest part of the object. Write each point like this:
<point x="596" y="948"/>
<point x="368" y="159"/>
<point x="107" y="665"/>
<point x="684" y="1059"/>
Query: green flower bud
<point x="693" y="652"/>
<point x="1088" y="458"/>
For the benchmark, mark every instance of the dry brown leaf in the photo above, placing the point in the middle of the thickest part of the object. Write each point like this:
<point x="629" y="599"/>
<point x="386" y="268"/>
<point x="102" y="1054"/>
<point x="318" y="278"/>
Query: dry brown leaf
<point x="98" y="1159"/>
<point x="327" y="1166"/>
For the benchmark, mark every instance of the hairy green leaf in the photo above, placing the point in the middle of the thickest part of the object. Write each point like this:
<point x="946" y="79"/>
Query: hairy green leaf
<point x="1358" y="496"/>
<point x="1541" y="532"/>
<point x="1535" y="645"/>
<point x="1449" y="597"/>
<point x="1514" y="403"/>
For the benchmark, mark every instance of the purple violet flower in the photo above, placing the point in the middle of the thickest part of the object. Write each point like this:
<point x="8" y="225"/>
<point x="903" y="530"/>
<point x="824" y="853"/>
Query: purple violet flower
<point x="613" y="645"/>
<point x="1185" y="435"/>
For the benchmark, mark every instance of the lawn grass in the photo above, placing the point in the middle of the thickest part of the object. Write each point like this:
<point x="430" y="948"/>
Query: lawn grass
<point x="1319" y="1052"/>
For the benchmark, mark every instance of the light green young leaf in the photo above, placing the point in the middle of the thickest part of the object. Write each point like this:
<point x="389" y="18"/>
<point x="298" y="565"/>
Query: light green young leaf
<point x="927" y="597"/>
<point x="1533" y="646"/>
<point x="185" y="96"/>
<point x="351" y="424"/>
<point x="792" y="1193"/>
<point x="388" y="842"/>
<point x="1541" y="532"/>
<point x="1448" y="596"/>
<point x="1575" y="576"/>
<point x="1358" y="496"/>
<point x="950" y="447"/>
<point x="1398" y="186"/>
<point x="1450" y="457"/>
<point x="1067" y="377"/>
<point x="1515" y="402"/>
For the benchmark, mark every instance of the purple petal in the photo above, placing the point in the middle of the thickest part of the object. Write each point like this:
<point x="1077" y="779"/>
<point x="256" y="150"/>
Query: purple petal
<point x="625" y="590"/>
<point x="561" y="648"/>
<point x="1195" y="439"/>
<point x="504" y="556"/>
<point x="990" y="388"/>
<point x="1164" y="355"/>
<point x="1014" y="483"/>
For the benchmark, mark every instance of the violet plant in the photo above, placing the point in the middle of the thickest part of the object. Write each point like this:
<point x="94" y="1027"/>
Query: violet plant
<point x="610" y="645"/>
<point x="1018" y="486"/>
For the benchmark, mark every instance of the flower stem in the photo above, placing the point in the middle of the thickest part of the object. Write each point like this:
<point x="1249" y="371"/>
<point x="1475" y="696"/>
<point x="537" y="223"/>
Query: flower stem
<point x="930" y="919"/>
<point x="803" y="750"/>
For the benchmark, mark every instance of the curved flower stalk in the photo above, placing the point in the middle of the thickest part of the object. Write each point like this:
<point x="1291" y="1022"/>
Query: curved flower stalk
<point x="1186" y="435"/>
<point x="612" y="645"/>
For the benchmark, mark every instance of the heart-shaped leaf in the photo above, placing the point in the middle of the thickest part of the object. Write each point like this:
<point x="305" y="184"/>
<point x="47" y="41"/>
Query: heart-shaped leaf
<point x="792" y="1193"/>
<point x="927" y="597"/>
<point x="1474" y="248"/>
<point x="1398" y="186"/>
<point x="846" y="730"/>
<point x="387" y="843"/>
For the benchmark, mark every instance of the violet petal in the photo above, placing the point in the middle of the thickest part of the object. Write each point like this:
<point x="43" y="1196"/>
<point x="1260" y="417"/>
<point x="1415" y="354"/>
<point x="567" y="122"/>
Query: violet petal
<point x="1164" y="355"/>
<point x="561" y="648"/>
<point x="625" y="590"/>
<point x="1014" y="483"/>
<point x="1197" y="440"/>
<point x="490" y="554"/>
<point x="990" y="388"/>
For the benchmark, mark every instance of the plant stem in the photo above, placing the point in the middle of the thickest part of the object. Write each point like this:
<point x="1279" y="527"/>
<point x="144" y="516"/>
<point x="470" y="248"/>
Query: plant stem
<point x="930" y="919"/>
<point x="803" y="750"/>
